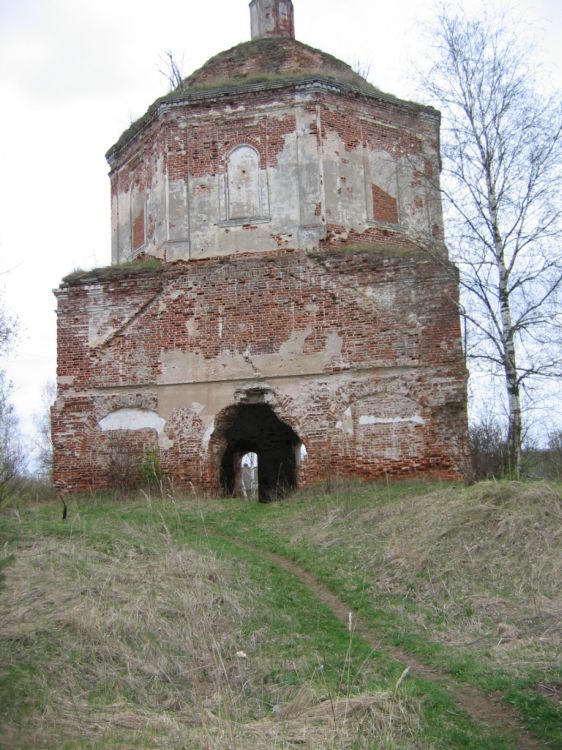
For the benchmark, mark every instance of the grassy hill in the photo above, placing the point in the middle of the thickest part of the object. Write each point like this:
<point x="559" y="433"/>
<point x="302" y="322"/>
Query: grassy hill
<point x="408" y="615"/>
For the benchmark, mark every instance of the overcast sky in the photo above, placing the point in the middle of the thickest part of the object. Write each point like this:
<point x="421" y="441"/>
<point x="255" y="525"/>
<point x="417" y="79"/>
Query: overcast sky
<point x="75" y="73"/>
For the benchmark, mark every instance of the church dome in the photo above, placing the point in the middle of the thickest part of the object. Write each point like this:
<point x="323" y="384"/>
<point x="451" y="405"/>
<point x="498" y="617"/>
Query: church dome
<point x="269" y="59"/>
<point x="273" y="59"/>
<point x="272" y="54"/>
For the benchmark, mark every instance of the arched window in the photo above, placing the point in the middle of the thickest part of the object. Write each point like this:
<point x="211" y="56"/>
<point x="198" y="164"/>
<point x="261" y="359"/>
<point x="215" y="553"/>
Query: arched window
<point x="244" y="193"/>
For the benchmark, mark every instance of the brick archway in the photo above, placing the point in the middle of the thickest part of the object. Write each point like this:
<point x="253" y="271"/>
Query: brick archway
<point x="255" y="427"/>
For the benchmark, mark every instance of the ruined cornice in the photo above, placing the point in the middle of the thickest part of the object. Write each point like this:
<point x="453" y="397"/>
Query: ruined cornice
<point x="377" y="255"/>
<point x="218" y="93"/>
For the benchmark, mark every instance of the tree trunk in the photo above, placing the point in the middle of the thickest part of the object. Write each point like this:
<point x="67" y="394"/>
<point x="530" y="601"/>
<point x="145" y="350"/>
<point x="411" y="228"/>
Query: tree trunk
<point x="510" y="370"/>
<point x="514" y="431"/>
<point x="507" y="338"/>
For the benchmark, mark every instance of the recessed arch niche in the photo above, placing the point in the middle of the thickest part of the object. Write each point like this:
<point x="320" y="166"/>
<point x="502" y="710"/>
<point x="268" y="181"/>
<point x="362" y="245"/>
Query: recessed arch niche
<point x="245" y="186"/>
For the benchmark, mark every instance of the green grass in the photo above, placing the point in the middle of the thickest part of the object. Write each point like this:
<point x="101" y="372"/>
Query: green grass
<point x="118" y="271"/>
<point x="125" y="626"/>
<point x="434" y="570"/>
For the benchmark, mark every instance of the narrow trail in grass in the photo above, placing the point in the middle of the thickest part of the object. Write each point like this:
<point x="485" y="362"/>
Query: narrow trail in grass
<point x="488" y="709"/>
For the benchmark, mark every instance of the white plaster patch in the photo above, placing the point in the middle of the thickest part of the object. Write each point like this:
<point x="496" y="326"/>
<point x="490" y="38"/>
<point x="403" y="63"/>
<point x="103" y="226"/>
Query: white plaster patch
<point x="384" y="296"/>
<point x="192" y="327"/>
<point x="179" y="365"/>
<point x="207" y="434"/>
<point x="367" y="419"/>
<point x="347" y="421"/>
<point x="384" y="172"/>
<point x="133" y="419"/>
<point x="99" y="331"/>
<point x="164" y="442"/>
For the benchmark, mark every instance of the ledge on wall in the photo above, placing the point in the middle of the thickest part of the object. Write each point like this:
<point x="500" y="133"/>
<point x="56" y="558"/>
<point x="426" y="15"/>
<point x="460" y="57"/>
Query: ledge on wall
<point x="106" y="273"/>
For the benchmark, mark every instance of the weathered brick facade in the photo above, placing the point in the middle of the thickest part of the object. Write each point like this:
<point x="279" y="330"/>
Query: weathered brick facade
<point x="300" y="293"/>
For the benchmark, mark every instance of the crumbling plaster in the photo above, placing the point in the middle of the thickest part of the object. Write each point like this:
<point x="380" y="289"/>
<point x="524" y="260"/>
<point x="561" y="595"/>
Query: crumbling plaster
<point x="359" y="354"/>
<point x="318" y="162"/>
<point x="304" y="303"/>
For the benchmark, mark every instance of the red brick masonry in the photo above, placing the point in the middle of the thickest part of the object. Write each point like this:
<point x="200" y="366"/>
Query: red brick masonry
<point x="360" y="354"/>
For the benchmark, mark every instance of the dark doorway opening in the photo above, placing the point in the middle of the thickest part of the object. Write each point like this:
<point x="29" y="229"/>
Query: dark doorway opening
<point x="255" y="428"/>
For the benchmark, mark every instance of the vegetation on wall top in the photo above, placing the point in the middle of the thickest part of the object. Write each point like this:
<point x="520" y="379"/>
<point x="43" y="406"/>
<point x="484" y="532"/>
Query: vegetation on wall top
<point x="119" y="271"/>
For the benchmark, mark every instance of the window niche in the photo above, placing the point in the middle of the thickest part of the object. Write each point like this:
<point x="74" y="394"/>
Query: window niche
<point x="138" y="218"/>
<point x="244" y="193"/>
<point x="383" y="201"/>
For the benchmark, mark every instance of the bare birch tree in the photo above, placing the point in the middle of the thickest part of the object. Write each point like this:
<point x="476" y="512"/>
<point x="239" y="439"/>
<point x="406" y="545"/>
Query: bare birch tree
<point x="502" y="188"/>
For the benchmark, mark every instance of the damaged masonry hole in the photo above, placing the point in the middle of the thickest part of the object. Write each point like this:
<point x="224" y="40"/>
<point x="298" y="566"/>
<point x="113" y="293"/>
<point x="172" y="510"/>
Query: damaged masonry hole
<point x="261" y="455"/>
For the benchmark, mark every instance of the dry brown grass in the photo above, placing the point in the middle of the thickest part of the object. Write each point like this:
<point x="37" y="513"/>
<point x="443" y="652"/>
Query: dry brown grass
<point x="335" y="724"/>
<point x="142" y="634"/>
<point x="476" y="567"/>
<point x="135" y="642"/>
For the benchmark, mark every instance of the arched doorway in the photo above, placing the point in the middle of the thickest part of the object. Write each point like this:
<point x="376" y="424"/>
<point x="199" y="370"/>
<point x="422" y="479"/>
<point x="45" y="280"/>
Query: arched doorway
<point x="255" y="428"/>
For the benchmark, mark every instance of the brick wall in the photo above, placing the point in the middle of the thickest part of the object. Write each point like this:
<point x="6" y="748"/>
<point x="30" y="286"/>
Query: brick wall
<point x="357" y="352"/>
<point x="319" y="311"/>
<point x="325" y="159"/>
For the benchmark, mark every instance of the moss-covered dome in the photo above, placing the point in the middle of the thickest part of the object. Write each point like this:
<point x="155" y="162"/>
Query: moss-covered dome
<point x="270" y="58"/>
<point x="270" y="62"/>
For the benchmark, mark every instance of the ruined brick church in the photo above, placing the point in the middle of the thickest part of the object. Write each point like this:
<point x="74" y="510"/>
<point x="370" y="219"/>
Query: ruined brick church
<point x="279" y="285"/>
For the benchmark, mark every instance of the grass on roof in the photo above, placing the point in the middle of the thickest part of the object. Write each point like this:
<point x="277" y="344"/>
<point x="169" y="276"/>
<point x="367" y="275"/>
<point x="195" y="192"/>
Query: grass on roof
<point x="107" y="273"/>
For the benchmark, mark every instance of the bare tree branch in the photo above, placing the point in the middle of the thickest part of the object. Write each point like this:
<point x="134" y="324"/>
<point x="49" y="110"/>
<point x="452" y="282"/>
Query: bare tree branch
<point x="171" y="69"/>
